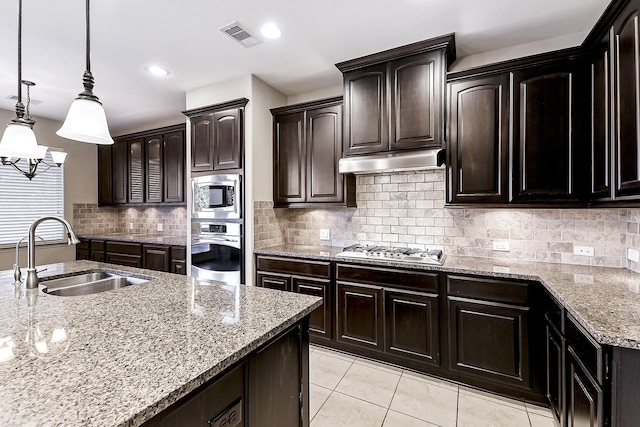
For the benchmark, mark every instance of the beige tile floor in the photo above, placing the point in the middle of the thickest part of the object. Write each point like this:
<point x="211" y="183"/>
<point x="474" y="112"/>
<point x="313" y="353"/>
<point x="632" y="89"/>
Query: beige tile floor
<point x="349" y="391"/>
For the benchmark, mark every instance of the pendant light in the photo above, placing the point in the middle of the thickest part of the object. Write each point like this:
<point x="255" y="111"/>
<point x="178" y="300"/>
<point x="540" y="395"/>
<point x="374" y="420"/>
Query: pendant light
<point x="86" y="120"/>
<point x="19" y="141"/>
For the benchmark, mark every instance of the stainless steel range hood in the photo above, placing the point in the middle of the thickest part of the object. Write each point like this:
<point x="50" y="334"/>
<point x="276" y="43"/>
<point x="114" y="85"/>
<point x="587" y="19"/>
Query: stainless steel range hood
<point x="393" y="162"/>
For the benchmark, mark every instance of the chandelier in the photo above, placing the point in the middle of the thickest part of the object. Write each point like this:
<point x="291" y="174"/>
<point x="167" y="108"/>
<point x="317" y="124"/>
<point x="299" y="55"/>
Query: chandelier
<point x="19" y="141"/>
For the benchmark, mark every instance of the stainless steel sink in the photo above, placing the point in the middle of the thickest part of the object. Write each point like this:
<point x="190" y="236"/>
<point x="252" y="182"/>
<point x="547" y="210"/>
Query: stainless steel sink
<point x="85" y="283"/>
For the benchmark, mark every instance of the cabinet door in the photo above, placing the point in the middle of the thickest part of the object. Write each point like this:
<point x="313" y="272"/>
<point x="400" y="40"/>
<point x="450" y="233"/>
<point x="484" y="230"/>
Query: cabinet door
<point x="324" y="148"/>
<point x="279" y="282"/>
<point x="156" y="257"/>
<point x="178" y="266"/>
<point x="202" y="143"/>
<point x="120" y="171"/>
<point x="489" y="341"/>
<point x="289" y="159"/>
<point x="479" y="140"/>
<point x="275" y="383"/>
<point x="416" y="97"/>
<point x="544" y="131"/>
<point x="173" y="167"/>
<point x="154" y="169"/>
<point x="411" y="320"/>
<point x="585" y="398"/>
<point x="555" y="372"/>
<point x="627" y="108"/>
<point x="366" y="124"/>
<point x="136" y="171"/>
<point x="227" y="139"/>
<point x="105" y="175"/>
<point x="600" y="102"/>
<point x="320" y="320"/>
<point x="360" y="315"/>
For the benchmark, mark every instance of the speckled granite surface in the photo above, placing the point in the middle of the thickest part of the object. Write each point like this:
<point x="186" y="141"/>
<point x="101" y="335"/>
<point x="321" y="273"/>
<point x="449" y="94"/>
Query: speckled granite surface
<point x="165" y="239"/>
<point x="606" y="301"/>
<point x="117" y="358"/>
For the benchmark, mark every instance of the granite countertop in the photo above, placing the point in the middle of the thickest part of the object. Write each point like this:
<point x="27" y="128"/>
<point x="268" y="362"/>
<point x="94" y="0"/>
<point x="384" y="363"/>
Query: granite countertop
<point x="165" y="239"/>
<point x="119" y="357"/>
<point x="605" y="301"/>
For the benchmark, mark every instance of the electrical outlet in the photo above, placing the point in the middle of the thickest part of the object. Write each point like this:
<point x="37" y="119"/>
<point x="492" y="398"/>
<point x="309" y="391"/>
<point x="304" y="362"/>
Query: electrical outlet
<point x="583" y="250"/>
<point x="159" y="226"/>
<point x="501" y="246"/>
<point x="633" y="255"/>
<point x="130" y="226"/>
<point x="324" y="234"/>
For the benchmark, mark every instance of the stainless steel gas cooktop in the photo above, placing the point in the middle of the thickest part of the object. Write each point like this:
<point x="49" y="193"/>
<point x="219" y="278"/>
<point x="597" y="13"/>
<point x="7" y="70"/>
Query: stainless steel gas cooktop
<point x="409" y="255"/>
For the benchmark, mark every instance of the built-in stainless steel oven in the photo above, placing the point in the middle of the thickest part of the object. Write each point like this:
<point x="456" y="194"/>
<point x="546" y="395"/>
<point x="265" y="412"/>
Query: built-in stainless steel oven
<point x="217" y="251"/>
<point x="217" y="197"/>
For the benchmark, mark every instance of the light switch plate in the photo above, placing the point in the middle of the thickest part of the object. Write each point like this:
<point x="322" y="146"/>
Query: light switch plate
<point x="159" y="226"/>
<point x="130" y="226"/>
<point x="501" y="246"/>
<point x="633" y="255"/>
<point x="583" y="250"/>
<point x="324" y="234"/>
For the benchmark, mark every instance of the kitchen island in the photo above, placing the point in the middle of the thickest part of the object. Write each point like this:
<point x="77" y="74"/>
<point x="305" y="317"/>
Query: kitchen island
<point x="119" y="358"/>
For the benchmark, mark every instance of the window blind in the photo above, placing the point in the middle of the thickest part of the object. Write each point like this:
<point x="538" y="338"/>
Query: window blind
<point x="23" y="201"/>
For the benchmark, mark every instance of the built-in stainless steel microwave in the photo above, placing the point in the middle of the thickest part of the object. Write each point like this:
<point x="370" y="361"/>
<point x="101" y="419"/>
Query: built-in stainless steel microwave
<point x="217" y="197"/>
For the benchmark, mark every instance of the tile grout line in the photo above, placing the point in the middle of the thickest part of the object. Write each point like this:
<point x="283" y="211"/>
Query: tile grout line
<point x="392" y="396"/>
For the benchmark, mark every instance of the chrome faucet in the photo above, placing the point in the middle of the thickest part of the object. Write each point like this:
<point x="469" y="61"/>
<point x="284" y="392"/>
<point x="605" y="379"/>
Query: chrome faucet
<point x="32" y="274"/>
<point x="17" y="275"/>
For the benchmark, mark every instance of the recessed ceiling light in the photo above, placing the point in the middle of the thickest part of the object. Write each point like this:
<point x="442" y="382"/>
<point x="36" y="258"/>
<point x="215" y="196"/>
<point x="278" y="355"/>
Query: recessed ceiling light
<point x="158" y="71"/>
<point x="271" y="31"/>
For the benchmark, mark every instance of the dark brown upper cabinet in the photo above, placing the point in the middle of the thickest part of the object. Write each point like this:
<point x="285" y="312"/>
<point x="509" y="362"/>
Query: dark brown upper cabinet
<point x="478" y="133"/>
<point x="306" y="150"/>
<point x="143" y="168"/>
<point x="600" y="114"/>
<point x="546" y="133"/>
<point x="626" y="84"/>
<point x="394" y="100"/>
<point x="217" y="136"/>
<point x="105" y="177"/>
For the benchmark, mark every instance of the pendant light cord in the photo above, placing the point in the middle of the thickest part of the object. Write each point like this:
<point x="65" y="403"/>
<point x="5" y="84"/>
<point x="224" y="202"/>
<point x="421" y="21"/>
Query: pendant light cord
<point x="87" y="77"/>
<point x="88" y="38"/>
<point x="19" y="104"/>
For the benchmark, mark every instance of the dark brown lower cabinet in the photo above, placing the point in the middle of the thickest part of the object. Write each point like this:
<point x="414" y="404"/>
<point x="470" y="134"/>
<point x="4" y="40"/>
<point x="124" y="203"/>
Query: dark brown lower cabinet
<point x="275" y="387"/>
<point x="268" y="388"/>
<point x="555" y="372"/>
<point x="156" y="257"/>
<point x="360" y="315"/>
<point x="412" y="325"/>
<point x="489" y="340"/>
<point x="320" y="320"/>
<point x="585" y="398"/>
<point x="304" y="277"/>
<point x="134" y="254"/>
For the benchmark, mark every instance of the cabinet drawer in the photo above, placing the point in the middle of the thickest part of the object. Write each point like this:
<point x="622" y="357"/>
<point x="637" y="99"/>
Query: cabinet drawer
<point x="587" y="350"/>
<point x="124" y="248"/>
<point x="284" y="265"/>
<point x="387" y="276"/>
<point x="97" y="245"/>
<point x="83" y="245"/>
<point x="178" y="253"/>
<point x="489" y="289"/>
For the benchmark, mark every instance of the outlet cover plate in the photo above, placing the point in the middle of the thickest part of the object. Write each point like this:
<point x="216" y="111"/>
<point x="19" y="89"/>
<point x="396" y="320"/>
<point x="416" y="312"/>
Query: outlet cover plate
<point x="583" y="250"/>
<point x="633" y="255"/>
<point x="324" y="234"/>
<point x="159" y="226"/>
<point x="501" y="246"/>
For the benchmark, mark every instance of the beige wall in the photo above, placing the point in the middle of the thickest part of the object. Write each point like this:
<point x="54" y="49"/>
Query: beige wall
<point x="328" y="92"/>
<point x="80" y="186"/>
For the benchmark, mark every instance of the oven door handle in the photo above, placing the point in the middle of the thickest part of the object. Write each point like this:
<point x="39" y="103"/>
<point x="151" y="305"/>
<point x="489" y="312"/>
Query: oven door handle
<point x="218" y="239"/>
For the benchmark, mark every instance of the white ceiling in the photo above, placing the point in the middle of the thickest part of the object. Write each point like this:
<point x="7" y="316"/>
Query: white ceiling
<point x="183" y="36"/>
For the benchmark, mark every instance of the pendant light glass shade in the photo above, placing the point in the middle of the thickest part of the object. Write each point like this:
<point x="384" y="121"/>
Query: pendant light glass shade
<point x="19" y="141"/>
<point x="86" y="122"/>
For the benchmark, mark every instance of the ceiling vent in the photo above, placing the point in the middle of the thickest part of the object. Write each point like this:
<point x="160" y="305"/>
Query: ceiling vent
<point x="239" y="34"/>
<point x="33" y="101"/>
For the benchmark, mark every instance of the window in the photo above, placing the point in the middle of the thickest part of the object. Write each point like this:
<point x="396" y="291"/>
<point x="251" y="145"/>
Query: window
<point x="23" y="201"/>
